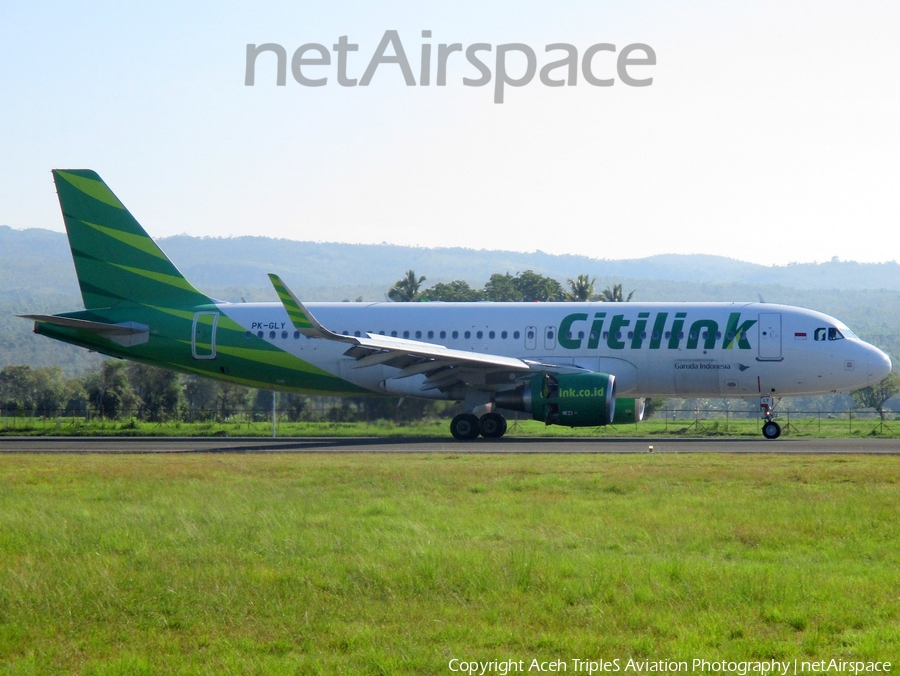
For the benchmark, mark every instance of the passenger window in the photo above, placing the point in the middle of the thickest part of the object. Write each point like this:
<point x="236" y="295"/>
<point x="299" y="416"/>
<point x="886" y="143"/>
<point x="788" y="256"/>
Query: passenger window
<point x="271" y="334"/>
<point x="443" y="334"/>
<point x="467" y="335"/>
<point x="491" y="335"/>
<point x="516" y="335"/>
<point x="479" y="335"/>
<point x="297" y="334"/>
<point x="259" y="334"/>
<point x="356" y="333"/>
<point x="503" y="335"/>
<point x="406" y="334"/>
<point x="393" y="334"/>
<point x="284" y="335"/>
<point x="249" y="334"/>
<point x="455" y="335"/>
<point x="418" y="334"/>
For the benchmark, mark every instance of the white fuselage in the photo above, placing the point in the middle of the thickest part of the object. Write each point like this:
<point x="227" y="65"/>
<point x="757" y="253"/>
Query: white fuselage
<point x="653" y="349"/>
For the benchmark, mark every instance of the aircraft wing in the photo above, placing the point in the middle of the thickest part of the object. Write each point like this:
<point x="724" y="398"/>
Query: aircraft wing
<point x="443" y="367"/>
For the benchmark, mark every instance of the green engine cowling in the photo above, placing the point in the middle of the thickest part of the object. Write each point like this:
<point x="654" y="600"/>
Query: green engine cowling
<point x="628" y="411"/>
<point x="573" y="400"/>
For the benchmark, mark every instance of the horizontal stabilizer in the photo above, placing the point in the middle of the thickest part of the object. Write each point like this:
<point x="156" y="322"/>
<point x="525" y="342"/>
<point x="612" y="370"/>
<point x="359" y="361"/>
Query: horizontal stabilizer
<point x="126" y="334"/>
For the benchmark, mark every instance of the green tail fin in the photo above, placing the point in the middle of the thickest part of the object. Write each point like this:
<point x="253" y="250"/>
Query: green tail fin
<point x="115" y="259"/>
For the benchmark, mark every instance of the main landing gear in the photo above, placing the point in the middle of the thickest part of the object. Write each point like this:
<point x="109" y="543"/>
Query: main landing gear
<point x="467" y="426"/>
<point x="770" y="429"/>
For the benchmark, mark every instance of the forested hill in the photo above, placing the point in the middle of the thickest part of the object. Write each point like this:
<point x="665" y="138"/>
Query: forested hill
<point x="218" y="262"/>
<point x="37" y="275"/>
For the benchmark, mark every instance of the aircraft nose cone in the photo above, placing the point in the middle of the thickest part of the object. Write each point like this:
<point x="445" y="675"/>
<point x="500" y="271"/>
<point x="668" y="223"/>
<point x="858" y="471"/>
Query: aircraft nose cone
<point x="879" y="365"/>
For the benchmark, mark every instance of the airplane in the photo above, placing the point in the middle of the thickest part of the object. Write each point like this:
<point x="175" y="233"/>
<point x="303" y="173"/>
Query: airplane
<point x="572" y="364"/>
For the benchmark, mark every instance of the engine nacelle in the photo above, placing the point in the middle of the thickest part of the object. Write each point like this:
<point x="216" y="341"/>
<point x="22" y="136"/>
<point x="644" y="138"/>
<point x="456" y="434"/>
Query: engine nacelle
<point x="573" y="400"/>
<point x="628" y="411"/>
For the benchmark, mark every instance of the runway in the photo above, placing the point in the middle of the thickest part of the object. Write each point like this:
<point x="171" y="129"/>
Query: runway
<point x="133" y="445"/>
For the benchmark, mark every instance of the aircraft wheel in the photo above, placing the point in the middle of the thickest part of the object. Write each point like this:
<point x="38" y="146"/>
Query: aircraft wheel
<point x="465" y="427"/>
<point x="493" y="425"/>
<point x="771" y="430"/>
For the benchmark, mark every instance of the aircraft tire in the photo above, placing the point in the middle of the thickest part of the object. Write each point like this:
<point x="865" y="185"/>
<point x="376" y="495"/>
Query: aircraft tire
<point x="771" y="430"/>
<point x="493" y="425"/>
<point x="465" y="427"/>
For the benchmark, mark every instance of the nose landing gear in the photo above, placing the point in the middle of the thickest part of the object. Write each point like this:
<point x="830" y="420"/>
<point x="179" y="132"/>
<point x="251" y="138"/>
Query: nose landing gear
<point x="770" y="429"/>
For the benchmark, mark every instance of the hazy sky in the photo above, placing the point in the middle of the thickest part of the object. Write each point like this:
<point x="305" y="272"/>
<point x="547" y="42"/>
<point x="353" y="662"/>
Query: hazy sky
<point x="769" y="134"/>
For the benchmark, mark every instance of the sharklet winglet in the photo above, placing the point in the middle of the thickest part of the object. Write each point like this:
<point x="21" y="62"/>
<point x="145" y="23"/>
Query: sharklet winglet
<point x="302" y="319"/>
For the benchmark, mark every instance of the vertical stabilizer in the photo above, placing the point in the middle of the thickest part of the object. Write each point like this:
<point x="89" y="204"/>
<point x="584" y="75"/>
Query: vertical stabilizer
<point x="115" y="259"/>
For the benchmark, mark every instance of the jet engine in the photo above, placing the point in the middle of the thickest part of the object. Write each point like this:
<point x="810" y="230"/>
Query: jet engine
<point x="573" y="400"/>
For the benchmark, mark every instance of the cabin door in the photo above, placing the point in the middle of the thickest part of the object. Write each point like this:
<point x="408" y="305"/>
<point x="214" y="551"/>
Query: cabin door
<point x="770" y="336"/>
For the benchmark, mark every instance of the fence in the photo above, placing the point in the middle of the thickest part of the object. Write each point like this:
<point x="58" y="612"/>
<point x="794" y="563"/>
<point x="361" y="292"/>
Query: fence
<point x="327" y="413"/>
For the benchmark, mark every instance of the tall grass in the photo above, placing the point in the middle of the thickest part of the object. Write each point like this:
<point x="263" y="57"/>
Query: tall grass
<point x="815" y="426"/>
<point x="395" y="564"/>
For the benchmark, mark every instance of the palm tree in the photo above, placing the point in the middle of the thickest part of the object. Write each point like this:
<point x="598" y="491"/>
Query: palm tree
<point x="614" y="295"/>
<point x="406" y="290"/>
<point x="582" y="288"/>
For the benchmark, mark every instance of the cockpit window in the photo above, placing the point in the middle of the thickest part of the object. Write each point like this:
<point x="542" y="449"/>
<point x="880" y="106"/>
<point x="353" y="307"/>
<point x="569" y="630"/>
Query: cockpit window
<point x="829" y="333"/>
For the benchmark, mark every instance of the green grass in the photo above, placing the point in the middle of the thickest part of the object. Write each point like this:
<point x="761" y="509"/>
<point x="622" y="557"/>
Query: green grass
<point x="817" y="427"/>
<point x="360" y="564"/>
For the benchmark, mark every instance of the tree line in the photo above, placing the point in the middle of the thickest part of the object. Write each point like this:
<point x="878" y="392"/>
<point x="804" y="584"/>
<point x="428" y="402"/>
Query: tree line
<point x="117" y="390"/>
<point x="527" y="287"/>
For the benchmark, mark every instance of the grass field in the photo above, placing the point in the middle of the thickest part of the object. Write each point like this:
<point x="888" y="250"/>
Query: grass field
<point x="819" y="426"/>
<point x="360" y="564"/>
